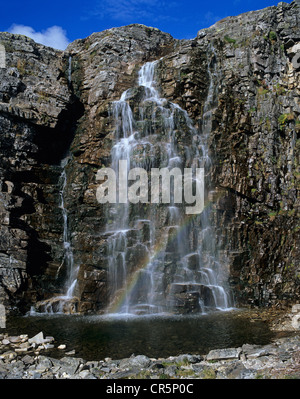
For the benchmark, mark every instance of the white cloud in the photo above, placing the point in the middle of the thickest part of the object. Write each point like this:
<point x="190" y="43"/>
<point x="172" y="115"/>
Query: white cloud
<point x="54" y="36"/>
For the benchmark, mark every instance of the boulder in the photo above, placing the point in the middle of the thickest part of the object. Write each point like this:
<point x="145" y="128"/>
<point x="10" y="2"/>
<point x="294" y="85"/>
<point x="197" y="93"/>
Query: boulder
<point x="37" y="339"/>
<point x="224" y="354"/>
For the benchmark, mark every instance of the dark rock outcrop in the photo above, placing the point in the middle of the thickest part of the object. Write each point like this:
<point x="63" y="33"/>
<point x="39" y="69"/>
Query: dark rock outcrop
<point x="51" y="103"/>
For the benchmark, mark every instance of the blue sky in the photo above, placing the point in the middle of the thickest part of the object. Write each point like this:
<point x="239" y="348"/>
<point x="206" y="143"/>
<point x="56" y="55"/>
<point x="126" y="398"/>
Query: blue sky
<point x="57" y="23"/>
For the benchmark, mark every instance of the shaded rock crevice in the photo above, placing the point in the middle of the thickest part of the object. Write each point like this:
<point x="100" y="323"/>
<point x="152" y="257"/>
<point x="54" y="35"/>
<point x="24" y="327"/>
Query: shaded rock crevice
<point x="38" y="119"/>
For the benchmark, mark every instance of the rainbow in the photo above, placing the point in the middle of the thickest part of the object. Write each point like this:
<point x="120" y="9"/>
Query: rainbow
<point x="120" y="296"/>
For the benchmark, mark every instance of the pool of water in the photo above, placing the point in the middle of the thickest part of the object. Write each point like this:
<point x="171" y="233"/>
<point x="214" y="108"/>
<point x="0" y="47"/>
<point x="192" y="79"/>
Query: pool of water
<point x="97" y="337"/>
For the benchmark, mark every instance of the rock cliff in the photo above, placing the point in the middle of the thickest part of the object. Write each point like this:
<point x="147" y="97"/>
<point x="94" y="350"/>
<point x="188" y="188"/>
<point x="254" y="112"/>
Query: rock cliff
<point x="53" y="103"/>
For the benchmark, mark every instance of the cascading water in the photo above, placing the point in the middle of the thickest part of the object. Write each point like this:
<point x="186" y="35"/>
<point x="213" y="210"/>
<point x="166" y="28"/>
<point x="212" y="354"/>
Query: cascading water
<point x="158" y="258"/>
<point x="65" y="303"/>
<point x="70" y="70"/>
<point x="72" y="271"/>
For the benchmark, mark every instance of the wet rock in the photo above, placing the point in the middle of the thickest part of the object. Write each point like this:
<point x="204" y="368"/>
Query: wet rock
<point x="289" y="321"/>
<point x="253" y="145"/>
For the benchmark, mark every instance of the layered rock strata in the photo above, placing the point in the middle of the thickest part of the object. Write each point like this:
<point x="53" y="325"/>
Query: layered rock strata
<point x="53" y="103"/>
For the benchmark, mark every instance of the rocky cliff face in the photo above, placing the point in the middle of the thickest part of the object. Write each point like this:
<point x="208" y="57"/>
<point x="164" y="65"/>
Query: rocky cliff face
<point x="53" y="102"/>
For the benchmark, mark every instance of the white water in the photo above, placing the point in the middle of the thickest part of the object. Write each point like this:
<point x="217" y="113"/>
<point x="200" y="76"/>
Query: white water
<point x="61" y="303"/>
<point x="72" y="270"/>
<point x="147" y="266"/>
<point x="159" y="121"/>
<point x="70" y="70"/>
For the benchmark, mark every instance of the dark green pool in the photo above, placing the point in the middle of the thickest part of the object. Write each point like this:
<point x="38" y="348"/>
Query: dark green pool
<point x="97" y="337"/>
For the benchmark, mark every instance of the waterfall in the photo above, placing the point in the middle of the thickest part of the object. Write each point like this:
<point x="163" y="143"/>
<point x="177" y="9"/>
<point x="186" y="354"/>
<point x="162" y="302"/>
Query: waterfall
<point x="68" y="251"/>
<point x="65" y="303"/>
<point x="70" y="70"/>
<point x="159" y="259"/>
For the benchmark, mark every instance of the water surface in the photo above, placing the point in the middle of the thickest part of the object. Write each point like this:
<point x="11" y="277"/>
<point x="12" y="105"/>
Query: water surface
<point x="97" y="337"/>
